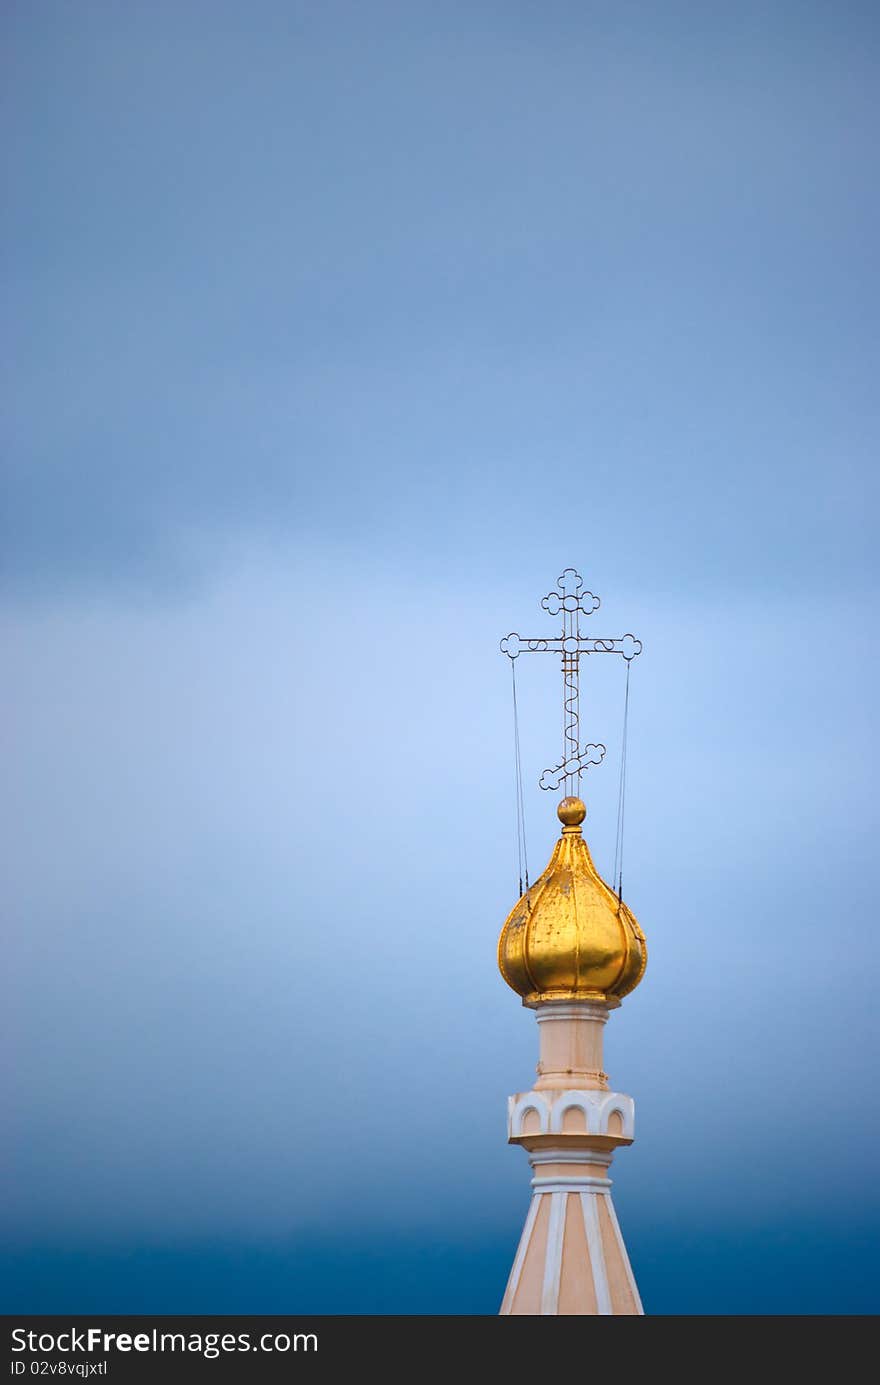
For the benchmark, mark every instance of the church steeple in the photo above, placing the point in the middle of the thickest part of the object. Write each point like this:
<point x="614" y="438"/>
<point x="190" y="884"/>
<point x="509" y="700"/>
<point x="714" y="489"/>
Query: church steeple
<point x="571" y="949"/>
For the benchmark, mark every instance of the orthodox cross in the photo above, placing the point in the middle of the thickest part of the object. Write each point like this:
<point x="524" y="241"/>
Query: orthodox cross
<point x="571" y="600"/>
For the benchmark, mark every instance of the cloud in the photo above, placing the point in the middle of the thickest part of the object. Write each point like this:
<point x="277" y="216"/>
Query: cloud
<point x="278" y="282"/>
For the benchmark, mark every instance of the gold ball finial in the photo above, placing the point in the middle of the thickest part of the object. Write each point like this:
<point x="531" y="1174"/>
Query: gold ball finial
<point x="571" y="812"/>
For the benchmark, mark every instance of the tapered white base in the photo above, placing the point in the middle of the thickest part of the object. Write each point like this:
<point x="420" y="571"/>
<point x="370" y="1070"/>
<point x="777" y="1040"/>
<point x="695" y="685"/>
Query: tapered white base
<point x="571" y="1257"/>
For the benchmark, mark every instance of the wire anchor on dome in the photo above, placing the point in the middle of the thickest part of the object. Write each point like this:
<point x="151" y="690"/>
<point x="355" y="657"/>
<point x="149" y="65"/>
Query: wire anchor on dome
<point x="571" y="600"/>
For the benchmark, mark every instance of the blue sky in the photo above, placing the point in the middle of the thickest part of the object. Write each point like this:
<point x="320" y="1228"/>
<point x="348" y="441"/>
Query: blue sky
<point x="333" y="334"/>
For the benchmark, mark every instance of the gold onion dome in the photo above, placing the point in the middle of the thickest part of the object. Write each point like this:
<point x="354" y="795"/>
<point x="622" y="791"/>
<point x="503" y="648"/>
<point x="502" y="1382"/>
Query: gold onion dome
<point x="569" y="937"/>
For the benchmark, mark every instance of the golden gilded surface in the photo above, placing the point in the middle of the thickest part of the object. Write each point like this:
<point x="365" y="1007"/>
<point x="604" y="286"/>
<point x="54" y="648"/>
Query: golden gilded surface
<point x="568" y="937"/>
